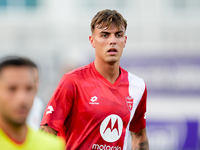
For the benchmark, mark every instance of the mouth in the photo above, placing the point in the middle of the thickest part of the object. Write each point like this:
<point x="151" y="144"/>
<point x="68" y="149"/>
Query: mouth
<point x="22" y="111"/>
<point x="112" y="51"/>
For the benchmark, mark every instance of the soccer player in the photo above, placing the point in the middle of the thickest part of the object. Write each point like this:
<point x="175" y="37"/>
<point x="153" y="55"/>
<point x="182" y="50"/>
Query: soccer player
<point x="17" y="91"/>
<point x="95" y="106"/>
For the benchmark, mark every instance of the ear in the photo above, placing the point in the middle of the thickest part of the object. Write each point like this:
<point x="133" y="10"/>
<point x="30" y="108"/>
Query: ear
<point x="125" y="41"/>
<point x="91" y="38"/>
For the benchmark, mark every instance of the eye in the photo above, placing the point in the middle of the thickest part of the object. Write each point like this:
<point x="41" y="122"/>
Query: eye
<point x="119" y="35"/>
<point x="12" y="88"/>
<point x="104" y="35"/>
<point x="29" y="88"/>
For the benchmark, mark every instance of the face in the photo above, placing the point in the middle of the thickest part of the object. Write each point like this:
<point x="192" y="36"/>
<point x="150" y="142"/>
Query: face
<point x="17" y="92"/>
<point x="108" y="43"/>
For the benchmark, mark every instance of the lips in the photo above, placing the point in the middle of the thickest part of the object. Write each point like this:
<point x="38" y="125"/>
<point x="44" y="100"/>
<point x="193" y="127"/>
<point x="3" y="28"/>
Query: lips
<point x="22" y="111"/>
<point x="112" y="51"/>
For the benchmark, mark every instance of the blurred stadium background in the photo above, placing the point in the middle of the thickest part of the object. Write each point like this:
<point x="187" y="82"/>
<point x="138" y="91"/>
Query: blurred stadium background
<point x="163" y="48"/>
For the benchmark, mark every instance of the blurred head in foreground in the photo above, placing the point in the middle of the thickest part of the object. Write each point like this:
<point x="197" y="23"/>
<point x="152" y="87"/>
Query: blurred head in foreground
<point x="18" y="86"/>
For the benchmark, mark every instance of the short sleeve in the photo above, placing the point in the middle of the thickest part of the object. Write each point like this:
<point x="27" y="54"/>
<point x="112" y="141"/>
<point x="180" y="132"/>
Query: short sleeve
<point x="139" y="119"/>
<point x="60" y="104"/>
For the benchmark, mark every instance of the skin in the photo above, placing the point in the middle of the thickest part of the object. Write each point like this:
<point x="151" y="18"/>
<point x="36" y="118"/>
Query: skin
<point x="47" y="129"/>
<point x="36" y="77"/>
<point x="107" y="64"/>
<point x="139" y="140"/>
<point x="17" y="92"/>
<point x="103" y="39"/>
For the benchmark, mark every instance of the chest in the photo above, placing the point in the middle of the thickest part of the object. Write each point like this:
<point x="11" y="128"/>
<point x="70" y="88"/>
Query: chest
<point x="96" y="101"/>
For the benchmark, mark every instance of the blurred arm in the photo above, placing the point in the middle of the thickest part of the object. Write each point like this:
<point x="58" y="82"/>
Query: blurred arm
<point x="46" y="128"/>
<point x="139" y="140"/>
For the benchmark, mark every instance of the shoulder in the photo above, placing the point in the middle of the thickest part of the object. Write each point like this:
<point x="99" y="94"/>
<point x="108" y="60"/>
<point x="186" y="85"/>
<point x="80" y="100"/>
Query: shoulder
<point x="78" y="71"/>
<point x="136" y="85"/>
<point x="45" y="140"/>
<point x="133" y="79"/>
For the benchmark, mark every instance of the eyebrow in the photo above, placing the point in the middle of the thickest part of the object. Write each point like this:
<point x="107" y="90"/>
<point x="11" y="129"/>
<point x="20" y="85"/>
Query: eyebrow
<point x="109" y="32"/>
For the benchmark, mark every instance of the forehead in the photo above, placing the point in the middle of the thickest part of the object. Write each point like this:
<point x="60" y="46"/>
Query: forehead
<point x="113" y="28"/>
<point x="16" y="75"/>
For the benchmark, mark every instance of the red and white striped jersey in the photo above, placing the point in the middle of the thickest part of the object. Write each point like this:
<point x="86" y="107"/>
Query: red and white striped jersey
<point x="91" y="113"/>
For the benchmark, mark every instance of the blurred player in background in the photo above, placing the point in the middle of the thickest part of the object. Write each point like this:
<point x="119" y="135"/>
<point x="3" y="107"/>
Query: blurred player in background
<point x="17" y="92"/>
<point x="95" y="106"/>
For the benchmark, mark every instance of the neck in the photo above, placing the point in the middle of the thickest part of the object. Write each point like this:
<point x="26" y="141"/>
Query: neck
<point x="16" y="133"/>
<point x="109" y="71"/>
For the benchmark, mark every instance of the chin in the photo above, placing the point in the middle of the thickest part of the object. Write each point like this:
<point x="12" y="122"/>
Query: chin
<point x="112" y="61"/>
<point x="20" y="122"/>
<point x="17" y="122"/>
<point x="21" y="119"/>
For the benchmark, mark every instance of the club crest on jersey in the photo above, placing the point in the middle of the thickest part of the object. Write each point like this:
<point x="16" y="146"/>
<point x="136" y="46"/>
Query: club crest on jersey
<point x="129" y="102"/>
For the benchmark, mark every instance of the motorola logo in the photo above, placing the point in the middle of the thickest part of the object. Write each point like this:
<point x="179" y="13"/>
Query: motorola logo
<point x="111" y="128"/>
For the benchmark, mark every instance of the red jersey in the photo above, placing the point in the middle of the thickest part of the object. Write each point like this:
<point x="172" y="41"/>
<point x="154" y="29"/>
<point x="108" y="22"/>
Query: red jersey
<point x="91" y="113"/>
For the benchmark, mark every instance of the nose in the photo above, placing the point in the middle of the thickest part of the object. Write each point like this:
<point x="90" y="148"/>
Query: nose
<point x="112" y="40"/>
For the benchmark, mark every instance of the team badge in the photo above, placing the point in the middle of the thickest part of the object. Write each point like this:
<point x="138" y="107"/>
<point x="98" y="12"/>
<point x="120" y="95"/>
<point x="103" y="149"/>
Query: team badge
<point x="129" y="102"/>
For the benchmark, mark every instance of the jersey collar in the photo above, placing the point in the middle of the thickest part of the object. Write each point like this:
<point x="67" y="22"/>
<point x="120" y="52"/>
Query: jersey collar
<point x="100" y="77"/>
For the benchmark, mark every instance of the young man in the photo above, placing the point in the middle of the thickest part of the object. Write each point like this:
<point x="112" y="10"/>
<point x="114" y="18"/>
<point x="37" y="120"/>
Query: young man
<point x="17" y="92"/>
<point x="95" y="106"/>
